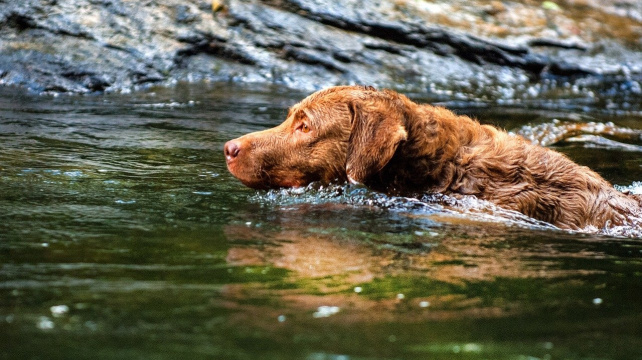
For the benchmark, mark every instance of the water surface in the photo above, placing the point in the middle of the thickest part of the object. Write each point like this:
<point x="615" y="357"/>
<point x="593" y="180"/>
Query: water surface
<point x="124" y="236"/>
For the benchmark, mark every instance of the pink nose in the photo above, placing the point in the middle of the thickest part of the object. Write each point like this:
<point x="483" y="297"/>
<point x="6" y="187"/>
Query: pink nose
<point x="231" y="150"/>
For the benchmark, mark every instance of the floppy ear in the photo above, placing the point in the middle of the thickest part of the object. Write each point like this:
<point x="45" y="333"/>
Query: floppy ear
<point x="377" y="130"/>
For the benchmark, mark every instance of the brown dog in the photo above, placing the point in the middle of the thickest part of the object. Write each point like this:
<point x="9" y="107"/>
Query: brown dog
<point x="391" y="144"/>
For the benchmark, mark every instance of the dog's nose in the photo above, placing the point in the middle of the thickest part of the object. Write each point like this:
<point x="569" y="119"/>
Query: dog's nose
<point x="231" y="150"/>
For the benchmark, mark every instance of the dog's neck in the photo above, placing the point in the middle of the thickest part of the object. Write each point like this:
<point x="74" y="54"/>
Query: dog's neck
<point x="430" y="160"/>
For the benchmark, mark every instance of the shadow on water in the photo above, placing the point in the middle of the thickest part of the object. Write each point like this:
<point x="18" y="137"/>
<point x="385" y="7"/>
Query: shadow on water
<point x="124" y="236"/>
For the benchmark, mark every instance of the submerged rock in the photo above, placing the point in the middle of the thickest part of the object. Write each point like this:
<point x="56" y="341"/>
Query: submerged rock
<point x="504" y="51"/>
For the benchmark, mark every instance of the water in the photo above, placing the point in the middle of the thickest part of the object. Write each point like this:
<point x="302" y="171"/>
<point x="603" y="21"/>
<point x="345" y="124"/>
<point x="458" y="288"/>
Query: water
<point x="124" y="236"/>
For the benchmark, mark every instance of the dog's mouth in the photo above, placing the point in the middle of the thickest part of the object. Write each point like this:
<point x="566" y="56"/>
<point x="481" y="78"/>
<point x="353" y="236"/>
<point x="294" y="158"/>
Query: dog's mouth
<point x="247" y="178"/>
<point x="263" y="180"/>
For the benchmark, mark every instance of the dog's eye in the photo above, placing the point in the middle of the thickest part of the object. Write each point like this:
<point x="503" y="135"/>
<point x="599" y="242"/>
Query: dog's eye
<point x="304" y="128"/>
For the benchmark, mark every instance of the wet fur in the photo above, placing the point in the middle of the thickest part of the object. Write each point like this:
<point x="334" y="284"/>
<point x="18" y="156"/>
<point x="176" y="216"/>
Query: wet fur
<point x="391" y="144"/>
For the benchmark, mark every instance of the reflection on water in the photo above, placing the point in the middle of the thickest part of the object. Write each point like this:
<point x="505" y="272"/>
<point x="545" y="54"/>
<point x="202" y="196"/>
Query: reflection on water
<point x="123" y="236"/>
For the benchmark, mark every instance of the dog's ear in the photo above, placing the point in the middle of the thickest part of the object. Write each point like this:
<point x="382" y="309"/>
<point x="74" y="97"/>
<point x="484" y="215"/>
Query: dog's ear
<point x="377" y="130"/>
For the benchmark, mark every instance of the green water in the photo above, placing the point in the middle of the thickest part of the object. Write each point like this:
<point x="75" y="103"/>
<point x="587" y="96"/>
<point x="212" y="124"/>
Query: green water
<point x="122" y="235"/>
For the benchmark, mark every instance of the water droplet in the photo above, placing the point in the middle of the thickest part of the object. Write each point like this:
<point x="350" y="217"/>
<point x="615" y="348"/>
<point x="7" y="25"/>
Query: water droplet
<point x="59" y="310"/>
<point x="281" y="318"/>
<point x="325" y="311"/>
<point x="472" y="347"/>
<point x="597" y="301"/>
<point x="44" y="323"/>
<point x="392" y="338"/>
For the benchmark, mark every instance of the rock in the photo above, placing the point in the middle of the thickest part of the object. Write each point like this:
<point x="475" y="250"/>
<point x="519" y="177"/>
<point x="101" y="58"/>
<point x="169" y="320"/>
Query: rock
<point x="506" y="51"/>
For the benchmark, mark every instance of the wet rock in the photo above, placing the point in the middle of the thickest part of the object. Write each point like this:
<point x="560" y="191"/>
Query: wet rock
<point x="509" y="51"/>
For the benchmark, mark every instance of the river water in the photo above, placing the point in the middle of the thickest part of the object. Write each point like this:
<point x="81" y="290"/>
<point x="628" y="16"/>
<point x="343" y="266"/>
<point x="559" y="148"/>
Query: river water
<point x="124" y="236"/>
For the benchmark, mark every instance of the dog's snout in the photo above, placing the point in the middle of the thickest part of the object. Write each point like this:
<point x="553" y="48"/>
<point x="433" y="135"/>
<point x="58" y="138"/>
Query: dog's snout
<point x="231" y="150"/>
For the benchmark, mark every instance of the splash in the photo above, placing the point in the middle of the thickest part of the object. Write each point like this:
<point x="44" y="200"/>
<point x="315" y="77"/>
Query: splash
<point x="634" y="188"/>
<point x="467" y="208"/>
<point x="591" y="133"/>
<point x="459" y="209"/>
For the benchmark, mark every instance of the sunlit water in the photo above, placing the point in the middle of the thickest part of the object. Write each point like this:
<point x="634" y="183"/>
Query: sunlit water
<point x="124" y="236"/>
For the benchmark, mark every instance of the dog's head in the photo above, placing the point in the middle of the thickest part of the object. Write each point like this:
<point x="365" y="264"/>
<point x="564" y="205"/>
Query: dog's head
<point x="337" y="134"/>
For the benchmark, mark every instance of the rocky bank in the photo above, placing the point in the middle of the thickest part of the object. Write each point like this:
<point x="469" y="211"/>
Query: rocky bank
<point x="588" y="52"/>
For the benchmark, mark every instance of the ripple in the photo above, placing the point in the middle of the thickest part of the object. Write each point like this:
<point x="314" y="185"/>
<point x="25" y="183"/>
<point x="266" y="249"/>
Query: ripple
<point x="171" y="104"/>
